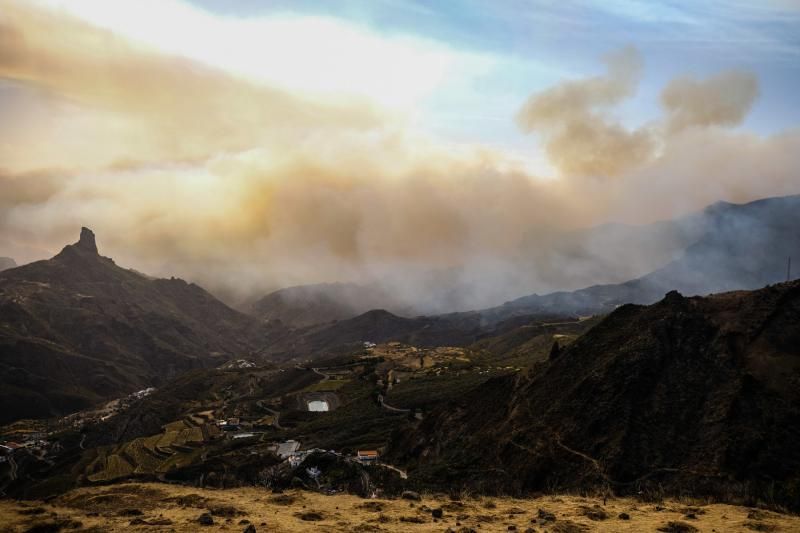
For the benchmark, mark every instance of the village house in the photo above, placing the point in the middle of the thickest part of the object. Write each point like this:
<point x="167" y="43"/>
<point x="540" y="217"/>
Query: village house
<point x="367" y="456"/>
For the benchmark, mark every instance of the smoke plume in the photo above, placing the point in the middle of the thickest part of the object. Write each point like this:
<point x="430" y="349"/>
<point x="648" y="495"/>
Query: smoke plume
<point x="185" y="170"/>
<point x="579" y="137"/>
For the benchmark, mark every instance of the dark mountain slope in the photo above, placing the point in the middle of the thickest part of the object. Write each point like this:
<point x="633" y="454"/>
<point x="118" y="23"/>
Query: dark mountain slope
<point x="77" y="329"/>
<point x="375" y="326"/>
<point x="307" y="305"/>
<point x="455" y="329"/>
<point x="698" y="395"/>
<point x="742" y="247"/>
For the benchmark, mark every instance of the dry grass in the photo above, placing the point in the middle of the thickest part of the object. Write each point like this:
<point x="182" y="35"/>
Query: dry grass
<point x="177" y="508"/>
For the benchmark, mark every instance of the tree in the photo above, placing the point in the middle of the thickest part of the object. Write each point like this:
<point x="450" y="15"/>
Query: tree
<point x="555" y="351"/>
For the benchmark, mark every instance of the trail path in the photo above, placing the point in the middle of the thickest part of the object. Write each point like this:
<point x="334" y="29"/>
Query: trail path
<point x="402" y="473"/>
<point x="389" y="407"/>
<point x="276" y="414"/>
<point x="14" y="469"/>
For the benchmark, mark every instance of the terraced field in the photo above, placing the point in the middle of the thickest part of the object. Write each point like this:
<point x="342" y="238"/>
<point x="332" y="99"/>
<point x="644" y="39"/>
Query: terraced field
<point x="179" y="445"/>
<point x="145" y="460"/>
<point x="327" y="386"/>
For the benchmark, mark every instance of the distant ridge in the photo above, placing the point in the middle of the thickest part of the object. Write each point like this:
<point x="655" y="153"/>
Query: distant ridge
<point x="743" y="247"/>
<point x="725" y="246"/>
<point x="306" y="305"/>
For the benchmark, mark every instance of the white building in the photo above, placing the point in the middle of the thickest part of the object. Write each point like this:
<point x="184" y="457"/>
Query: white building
<point x="318" y="405"/>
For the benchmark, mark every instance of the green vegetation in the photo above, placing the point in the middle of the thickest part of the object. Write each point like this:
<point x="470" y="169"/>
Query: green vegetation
<point x="115" y="467"/>
<point x="427" y="390"/>
<point x="327" y="386"/>
<point x="358" y="423"/>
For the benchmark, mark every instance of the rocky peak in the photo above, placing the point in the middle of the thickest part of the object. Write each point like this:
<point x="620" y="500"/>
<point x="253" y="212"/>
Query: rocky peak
<point x="86" y="241"/>
<point x="673" y="297"/>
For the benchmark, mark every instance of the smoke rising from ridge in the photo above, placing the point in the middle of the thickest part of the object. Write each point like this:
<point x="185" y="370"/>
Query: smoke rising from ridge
<point x="721" y="100"/>
<point x="579" y="138"/>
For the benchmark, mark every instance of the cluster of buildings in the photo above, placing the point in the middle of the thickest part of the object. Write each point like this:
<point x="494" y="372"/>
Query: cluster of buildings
<point x="229" y="424"/>
<point x="290" y="451"/>
<point x="238" y="363"/>
<point x="93" y="416"/>
<point x="35" y="441"/>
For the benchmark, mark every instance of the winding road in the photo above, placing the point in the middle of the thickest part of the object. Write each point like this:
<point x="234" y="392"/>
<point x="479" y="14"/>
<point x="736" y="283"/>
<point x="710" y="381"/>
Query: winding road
<point x="325" y="377"/>
<point x="276" y="414"/>
<point x="402" y="473"/>
<point x="14" y="467"/>
<point x="389" y="407"/>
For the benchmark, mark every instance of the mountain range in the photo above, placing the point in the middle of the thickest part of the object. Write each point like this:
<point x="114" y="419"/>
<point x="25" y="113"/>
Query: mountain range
<point x="724" y="247"/>
<point x="653" y="394"/>
<point x="78" y="329"/>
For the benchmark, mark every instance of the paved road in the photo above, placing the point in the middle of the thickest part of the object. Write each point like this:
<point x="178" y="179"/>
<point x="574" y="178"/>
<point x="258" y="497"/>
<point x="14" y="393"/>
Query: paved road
<point x="276" y="414"/>
<point x="14" y="467"/>
<point x="325" y="377"/>
<point x="390" y="467"/>
<point x="389" y="407"/>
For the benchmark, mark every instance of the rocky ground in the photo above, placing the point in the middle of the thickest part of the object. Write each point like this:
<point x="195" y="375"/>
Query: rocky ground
<point x="159" y="507"/>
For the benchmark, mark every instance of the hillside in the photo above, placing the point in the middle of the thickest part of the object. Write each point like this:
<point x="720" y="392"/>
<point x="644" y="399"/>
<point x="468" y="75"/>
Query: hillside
<point x="739" y="247"/>
<point x="172" y="433"/>
<point x="695" y="395"/>
<point x="77" y="329"/>
<point x="154" y="507"/>
<point x="307" y="305"/>
<point x="378" y="325"/>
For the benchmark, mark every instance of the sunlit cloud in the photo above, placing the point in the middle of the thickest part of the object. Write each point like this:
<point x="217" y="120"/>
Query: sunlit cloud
<point x="253" y="153"/>
<point x="308" y="53"/>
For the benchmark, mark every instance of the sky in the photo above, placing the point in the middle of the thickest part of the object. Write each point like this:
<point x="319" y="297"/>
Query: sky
<point x="251" y="145"/>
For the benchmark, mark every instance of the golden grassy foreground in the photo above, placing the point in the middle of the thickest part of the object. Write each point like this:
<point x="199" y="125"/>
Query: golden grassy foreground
<point x="158" y="507"/>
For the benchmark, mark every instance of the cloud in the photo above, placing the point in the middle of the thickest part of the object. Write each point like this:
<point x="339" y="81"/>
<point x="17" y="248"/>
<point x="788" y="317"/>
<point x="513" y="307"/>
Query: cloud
<point x="400" y="207"/>
<point x="184" y="169"/>
<point x="721" y="100"/>
<point x="128" y="103"/>
<point x="579" y="137"/>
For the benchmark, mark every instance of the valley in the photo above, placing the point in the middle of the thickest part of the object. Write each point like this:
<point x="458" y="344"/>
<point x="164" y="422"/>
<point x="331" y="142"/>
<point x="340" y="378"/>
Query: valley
<point x="689" y="397"/>
<point x="242" y="415"/>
